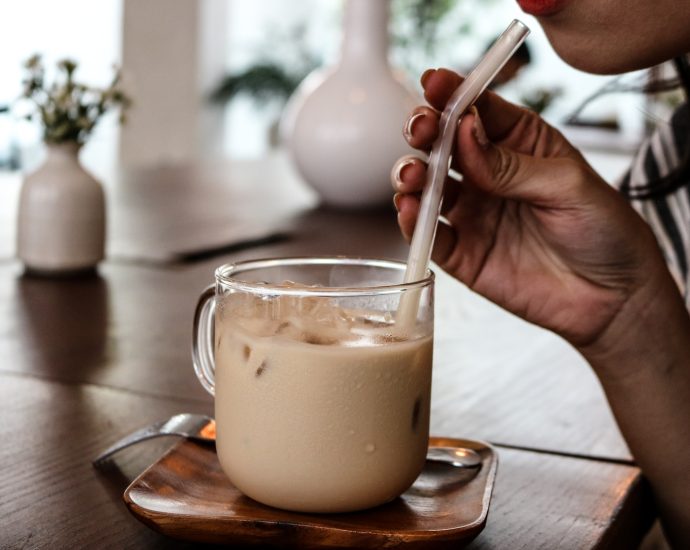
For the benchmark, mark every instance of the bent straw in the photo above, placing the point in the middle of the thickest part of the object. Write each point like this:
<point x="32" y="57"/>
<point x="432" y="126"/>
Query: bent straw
<point x="430" y="205"/>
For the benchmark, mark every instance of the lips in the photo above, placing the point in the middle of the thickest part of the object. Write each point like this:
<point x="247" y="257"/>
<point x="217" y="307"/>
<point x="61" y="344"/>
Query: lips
<point x="541" y="7"/>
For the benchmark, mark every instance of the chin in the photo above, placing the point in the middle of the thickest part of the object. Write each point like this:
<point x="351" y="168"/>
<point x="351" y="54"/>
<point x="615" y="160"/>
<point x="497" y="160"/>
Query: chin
<point x="579" y="54"/>
<point x="603" y="65"/>
<point x="610" y="55"/>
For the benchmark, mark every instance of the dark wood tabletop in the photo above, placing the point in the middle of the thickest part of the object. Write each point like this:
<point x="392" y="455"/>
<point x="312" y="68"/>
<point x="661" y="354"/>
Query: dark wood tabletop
<point x="85" y="361"/>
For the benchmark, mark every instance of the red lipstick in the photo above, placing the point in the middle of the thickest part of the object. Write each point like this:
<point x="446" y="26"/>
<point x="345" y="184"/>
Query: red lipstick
<point x="541" y="7"/>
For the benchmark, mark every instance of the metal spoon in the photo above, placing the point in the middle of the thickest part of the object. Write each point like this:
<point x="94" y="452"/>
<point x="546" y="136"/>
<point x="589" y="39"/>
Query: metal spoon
<point x="201" y="428"/>
<point x="460" y="457"/>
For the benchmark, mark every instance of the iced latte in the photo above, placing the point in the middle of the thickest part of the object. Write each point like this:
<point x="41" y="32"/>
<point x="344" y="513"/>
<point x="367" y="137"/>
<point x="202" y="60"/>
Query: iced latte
<point x="320" y="407"/>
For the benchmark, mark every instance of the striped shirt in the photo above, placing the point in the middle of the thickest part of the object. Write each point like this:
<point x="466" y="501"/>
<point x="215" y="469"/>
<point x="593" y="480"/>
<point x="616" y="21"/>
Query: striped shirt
<point x="668" y="216"/>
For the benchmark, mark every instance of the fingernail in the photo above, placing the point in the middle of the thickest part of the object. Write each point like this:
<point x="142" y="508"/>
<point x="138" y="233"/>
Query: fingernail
<point x="396" y="201"/>
<point x="409" y="126"/>
<point x="397" y="173"/>
<point x="478" y="129"/>
<point x="426" y="74"/>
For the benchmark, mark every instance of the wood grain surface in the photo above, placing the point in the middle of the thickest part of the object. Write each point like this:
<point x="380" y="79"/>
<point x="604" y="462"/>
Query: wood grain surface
<point x="53" y="498"/>
<point x="174" y="213"/>
<point x="496" y="378"/>
<point x="130" y="327"/>
<point x="499" y="378"/>
<point x="85" y="361"/>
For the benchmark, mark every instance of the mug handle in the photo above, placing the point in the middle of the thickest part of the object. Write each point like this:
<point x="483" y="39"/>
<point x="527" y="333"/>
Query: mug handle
<point x="203" y="338"/>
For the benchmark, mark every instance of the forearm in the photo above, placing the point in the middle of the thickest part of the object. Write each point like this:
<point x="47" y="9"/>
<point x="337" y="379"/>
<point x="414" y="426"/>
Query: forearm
<point x="643" y="363"/>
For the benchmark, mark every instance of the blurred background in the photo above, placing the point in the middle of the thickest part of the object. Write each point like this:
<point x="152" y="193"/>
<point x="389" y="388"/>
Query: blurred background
<point x="210" y="78"/>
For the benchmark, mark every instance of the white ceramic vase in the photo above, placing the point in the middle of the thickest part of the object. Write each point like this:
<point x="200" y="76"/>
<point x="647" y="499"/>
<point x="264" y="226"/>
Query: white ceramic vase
<point x="343" y="126"/>
<point x="61" y="222"/>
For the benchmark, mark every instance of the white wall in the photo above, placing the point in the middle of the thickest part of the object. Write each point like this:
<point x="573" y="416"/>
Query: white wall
<point x="173" y="50"/>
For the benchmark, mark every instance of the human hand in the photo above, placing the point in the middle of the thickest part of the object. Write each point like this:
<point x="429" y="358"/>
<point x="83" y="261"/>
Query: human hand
<point x="531" y="227"/>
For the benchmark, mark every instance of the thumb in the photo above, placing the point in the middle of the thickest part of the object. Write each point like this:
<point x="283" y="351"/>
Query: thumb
<point x="503" y="172"/>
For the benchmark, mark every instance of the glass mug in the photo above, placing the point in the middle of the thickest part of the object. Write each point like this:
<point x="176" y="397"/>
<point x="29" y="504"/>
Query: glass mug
<point x="321" y="400"/>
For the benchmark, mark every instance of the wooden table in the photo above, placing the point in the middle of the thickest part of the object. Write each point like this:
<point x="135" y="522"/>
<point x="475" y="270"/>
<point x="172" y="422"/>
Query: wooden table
<point x="84" y="362"/>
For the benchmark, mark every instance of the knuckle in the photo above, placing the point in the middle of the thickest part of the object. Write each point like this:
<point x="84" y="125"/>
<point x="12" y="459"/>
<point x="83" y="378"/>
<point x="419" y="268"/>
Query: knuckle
<point x="504" y="169"/>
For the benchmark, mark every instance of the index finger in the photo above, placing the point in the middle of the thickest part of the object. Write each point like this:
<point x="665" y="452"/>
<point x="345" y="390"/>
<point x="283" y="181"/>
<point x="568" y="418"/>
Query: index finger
<point x="498" y="115"/>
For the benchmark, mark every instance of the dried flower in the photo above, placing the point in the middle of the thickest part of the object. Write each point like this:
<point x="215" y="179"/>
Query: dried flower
<point x="68" y="110"/>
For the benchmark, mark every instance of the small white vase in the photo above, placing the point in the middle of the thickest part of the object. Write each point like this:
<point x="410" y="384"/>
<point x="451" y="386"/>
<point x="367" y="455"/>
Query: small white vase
<point x="343" y="126"/>
<point x="61" y="222"/>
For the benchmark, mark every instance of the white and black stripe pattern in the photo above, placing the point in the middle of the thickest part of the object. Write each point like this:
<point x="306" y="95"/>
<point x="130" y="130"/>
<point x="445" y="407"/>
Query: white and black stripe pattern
<point x="669" y="215"/>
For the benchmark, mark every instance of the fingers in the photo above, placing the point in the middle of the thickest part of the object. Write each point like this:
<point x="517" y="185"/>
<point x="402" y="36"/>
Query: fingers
<point x="503" y="172"/>
<point x="493" y="169"/>
<point x="439" y="85"/>
<point x="409" y="177"/>
<point x="445" y="242"/>
<point x="446" y="237"/>
<point x="500" y="116"/>
<point x="487" y="168"/>
<point x="408" y="174"/>
<point x="408" y="208"/>
<point x="421" y="128"/>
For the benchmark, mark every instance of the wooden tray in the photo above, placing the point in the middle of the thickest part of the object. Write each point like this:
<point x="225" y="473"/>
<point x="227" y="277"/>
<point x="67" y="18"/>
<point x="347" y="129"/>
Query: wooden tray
<point x="185" y="495"/>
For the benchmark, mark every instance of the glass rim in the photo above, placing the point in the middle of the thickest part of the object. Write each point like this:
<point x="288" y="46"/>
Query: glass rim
<point x="224" y="276"/>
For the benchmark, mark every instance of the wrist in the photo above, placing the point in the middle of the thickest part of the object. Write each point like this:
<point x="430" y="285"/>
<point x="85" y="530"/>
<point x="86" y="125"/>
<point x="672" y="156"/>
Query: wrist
<point x="651" y="332"/>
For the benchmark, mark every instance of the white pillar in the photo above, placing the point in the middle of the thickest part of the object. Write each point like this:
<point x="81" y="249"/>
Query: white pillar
<point x="173" y="53"/>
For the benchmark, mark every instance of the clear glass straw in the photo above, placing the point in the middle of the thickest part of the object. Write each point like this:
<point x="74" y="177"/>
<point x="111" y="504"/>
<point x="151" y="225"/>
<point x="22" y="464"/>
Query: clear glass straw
<point x="465" y="95"/>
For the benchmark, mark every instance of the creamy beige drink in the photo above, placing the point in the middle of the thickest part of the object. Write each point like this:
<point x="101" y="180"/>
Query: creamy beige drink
<point x="319" y="409"/>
